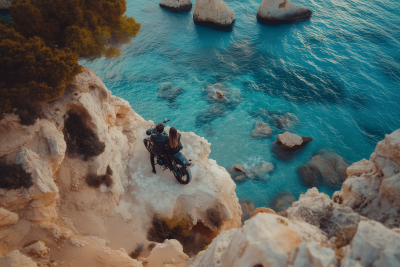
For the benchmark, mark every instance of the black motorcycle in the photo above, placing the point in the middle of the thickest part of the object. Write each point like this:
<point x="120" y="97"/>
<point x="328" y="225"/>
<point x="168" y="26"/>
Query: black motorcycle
<point x="179" y="164"/>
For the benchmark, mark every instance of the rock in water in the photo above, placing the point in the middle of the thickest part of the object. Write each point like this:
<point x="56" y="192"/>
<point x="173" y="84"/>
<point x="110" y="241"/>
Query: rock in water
<point x="237" y="173"/>
<point x="329" y="168"/>
<point x="213" y="13"/>
<point x="292" y="141"/>
<point x="261" y="130"/>
<point x="261" y="171"/>
<point x="282" y="201"/>
<point x="281" y="11"/>
<point x="169" y="91"/>
<point x="220" y="95"/>
<point x="176" y="5"/>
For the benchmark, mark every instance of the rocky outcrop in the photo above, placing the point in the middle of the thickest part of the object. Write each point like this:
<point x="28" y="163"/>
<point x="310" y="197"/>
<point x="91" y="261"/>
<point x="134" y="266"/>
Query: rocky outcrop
<point x="168" y="253"/>
<point x="4" y="4"/>
<point x="328" y="168"/>
<point x="176" y="5"/>
<point x="292" y="141"/>
<point x="281" y="11"/>
<point x="373" y="186"/>
<point x="259" y="172"/>
<point x="60" y="206"/>
<point x="213" y="13"/>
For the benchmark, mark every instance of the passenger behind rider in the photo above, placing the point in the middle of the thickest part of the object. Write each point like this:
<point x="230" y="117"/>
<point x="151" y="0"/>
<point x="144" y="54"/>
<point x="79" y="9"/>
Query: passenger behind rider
<point x="173" y="145"/>
<point x="158" y="142"/>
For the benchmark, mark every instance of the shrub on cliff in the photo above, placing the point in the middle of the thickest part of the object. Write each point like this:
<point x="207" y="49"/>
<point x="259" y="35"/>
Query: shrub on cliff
<point x="13" y="176"/>
<point x="90" y="28"/>
<point x="30" y="70"/>
<point x="81" y="140"/>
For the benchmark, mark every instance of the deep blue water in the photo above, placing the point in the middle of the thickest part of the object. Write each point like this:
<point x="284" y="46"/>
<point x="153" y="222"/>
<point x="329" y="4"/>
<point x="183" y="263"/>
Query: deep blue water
<point x="338" y="72"/>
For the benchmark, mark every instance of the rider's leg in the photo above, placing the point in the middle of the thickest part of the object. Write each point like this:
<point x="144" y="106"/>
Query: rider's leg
<point x="152" y="162"/>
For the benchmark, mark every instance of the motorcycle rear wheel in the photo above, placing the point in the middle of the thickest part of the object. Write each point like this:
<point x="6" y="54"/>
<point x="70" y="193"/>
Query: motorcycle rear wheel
<point x="183" y="174"/>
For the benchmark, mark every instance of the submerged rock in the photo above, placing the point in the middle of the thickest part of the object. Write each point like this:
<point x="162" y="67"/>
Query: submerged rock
<point x="280" y="120"/>
<point x="282" y="201"/>
<point x="292" y="141"/>
<point x="176" y="5"/>
<point x="220" y="94"/>
<point x="238" y="174"/>
<point x="247" y="209"/>
<point x="213" y="13"/>
<point x="262" y="170"/>
<point x="328" y="168"/>
<point x="169" y="91"/>
<point x="261" y="130"/>
<point x="281" y="11"/>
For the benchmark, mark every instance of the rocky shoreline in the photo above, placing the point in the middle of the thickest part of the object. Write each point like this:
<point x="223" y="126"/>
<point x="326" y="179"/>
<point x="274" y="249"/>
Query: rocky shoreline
<point x="139" y="218"/>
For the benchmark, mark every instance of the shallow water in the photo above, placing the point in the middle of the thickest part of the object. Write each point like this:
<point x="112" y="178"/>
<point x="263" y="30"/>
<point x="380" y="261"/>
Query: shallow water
<point x="338" y="72"/>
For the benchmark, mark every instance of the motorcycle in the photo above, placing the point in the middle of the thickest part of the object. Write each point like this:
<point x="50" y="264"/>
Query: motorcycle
<point x="179" y="163"/>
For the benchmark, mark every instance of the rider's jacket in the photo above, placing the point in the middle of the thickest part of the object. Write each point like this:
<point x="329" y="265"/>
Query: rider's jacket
<point x="174" y="150"/>
<point x="158" y="140"/>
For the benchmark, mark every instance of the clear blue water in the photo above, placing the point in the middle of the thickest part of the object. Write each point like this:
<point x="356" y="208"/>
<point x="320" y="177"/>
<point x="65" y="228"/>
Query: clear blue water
<point x="338" y="72"/>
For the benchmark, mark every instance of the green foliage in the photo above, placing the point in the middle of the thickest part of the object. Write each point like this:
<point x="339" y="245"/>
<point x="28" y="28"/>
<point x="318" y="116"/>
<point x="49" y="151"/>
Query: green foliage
<point x="81" y="140"/>
<point x="13" y="176"/>
<point x="30" y="70"/>
<point x="91" y="28"/>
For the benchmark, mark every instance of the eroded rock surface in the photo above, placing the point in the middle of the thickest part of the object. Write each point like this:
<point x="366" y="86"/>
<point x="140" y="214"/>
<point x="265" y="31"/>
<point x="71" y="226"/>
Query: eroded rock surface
<point x="373" y="186"/>
<point x="281" y="11"/>
<point x="213" y="12"/>
<point x="176" y="5"/>
<point x="292" y="141"/>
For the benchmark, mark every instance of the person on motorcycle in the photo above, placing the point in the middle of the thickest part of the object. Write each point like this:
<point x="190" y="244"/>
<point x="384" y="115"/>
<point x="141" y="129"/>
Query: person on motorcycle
<point x="158" y="142"/>
<point x="174" y="144"/>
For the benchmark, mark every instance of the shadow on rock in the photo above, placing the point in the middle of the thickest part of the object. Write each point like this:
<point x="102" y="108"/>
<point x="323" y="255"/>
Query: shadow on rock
<point x="285" y="154"/>
<point x="325" y="167"/>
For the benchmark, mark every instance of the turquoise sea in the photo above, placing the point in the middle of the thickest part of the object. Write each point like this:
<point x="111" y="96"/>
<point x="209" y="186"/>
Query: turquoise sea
<point x="338" y="73"/>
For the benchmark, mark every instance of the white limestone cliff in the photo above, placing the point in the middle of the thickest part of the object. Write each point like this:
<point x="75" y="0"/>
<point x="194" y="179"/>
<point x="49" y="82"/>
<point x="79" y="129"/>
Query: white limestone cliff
<point x="213" y="11"/>
<point x="105" y="223"/>
<point x="176" y="5"/>
<point x="281" y="11"/>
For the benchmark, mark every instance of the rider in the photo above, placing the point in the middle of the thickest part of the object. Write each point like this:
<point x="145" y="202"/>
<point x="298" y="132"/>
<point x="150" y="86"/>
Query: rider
<point x="158" y="143"/>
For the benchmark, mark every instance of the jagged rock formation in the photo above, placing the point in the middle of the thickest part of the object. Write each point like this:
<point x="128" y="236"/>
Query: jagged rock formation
<point x="281" y="11"/>
<point x="176" y="5"/>
<point x="62" y="211"/>
<point x="344" y="232"/>
<point x="213" y="13"/>
<point x="373" y="186"/>
<point x="4" y="4"/>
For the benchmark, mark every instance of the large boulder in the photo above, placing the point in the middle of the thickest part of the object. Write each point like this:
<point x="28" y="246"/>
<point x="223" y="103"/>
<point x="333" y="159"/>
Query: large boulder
<point x="213" y="13"/>
<point x="238" y="173"/>
<point x="281" y="11"/>
<point x="328" y="168"/>
<point x="292" y="141"/>
<point x="373" y="186"/>
<point x="176" y="5"/>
